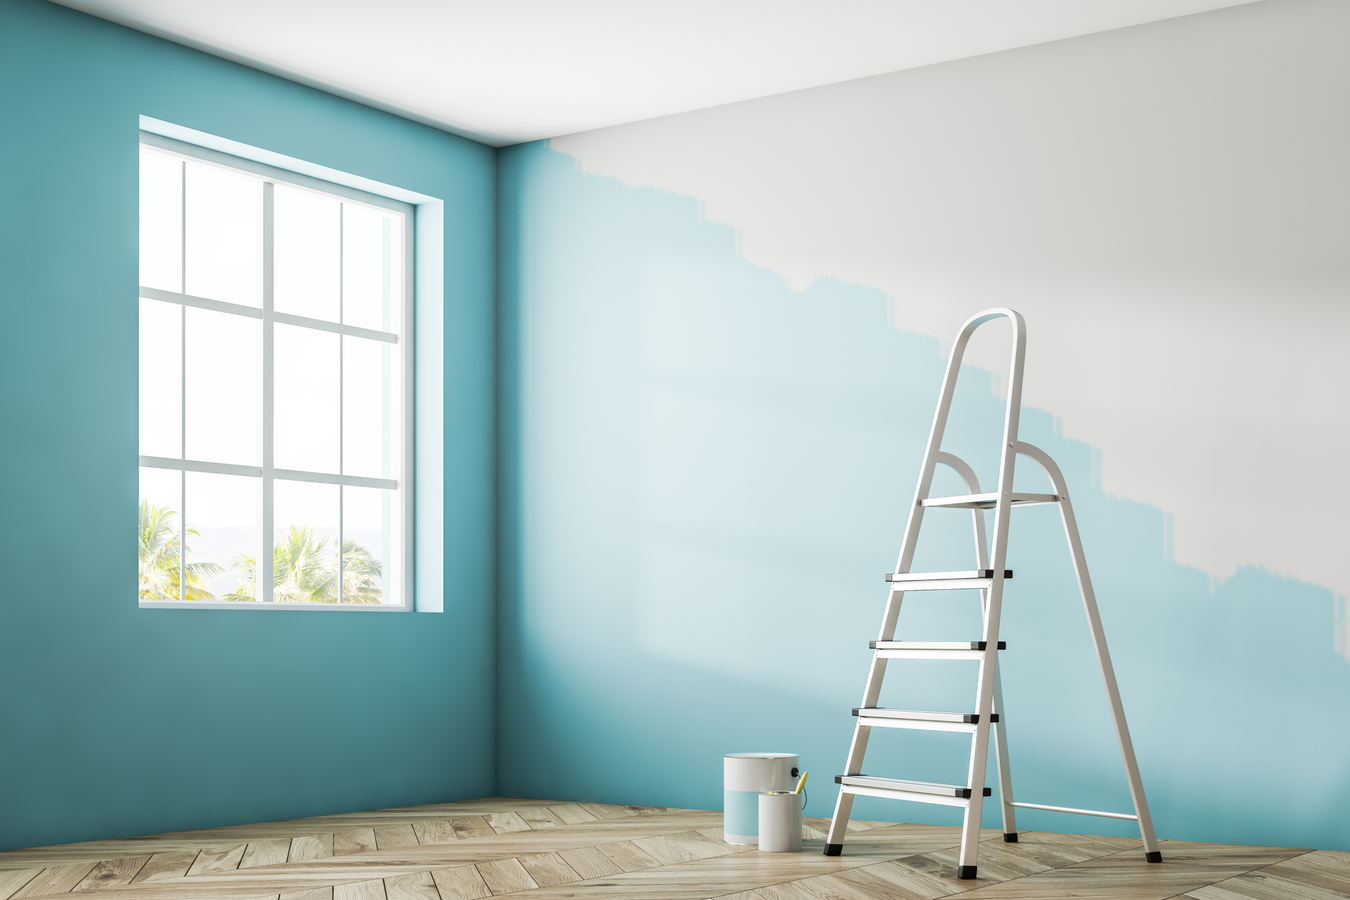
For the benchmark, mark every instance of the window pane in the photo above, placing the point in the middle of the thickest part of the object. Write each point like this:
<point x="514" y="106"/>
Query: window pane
<point x="161" y="355"/>
<point x="224" y="235"/>
<point x="368" y="259"/>
<point x="224" y="393"/>
<point x="161" y="503"/>
<point x="306" y="399"/>
<point x="305" y="565"/>
<point x="371" y="408"/>
<point x="161" y="221"/>
<point x="224" y="539"/>
<point x="307" y="263"/>
<point x="370" y="545"/>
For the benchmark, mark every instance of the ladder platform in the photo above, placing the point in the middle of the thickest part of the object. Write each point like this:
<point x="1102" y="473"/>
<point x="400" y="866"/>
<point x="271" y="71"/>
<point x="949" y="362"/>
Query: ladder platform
<point x="920" y="788"/>
<point x="988" y="501"/>
<point x="977" y="579"/>
<point x="918" y="715"/>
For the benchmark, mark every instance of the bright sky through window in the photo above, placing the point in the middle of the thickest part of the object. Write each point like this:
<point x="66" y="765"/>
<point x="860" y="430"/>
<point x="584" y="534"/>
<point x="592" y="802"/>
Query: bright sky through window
<point x="273" y="371"/>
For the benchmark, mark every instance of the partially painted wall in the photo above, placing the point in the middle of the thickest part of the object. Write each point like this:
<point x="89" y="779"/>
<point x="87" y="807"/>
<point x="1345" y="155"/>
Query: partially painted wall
<point x="115" y="720"/>
<point x="722" y="336"/>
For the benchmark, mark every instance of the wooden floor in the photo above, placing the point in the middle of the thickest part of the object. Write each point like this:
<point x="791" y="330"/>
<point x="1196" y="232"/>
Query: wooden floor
<point x="542" y="850"/>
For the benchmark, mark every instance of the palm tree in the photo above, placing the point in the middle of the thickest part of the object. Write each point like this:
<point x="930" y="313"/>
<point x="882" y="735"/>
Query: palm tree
<point x="305" y="570"/>
<point x="160" y="572"/>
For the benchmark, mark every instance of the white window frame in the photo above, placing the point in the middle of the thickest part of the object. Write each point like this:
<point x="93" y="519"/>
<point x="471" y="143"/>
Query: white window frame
<point x="268" y="473"/>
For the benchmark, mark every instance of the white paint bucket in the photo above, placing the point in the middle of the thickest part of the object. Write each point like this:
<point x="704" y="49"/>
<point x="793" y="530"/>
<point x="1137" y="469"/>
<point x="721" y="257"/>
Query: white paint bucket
<point x="780" y="822"/>
<point x="744" y="777"/>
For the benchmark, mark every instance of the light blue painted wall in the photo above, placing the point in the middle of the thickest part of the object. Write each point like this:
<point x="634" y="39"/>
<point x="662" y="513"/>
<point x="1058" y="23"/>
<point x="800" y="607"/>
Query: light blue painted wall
<point x="120" y="721"/>
<point x="704" y="476"/>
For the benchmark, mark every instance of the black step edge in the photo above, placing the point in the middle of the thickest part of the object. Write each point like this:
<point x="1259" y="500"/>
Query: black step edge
<point x="970" y="718"/>
<point x="974" y="645"/>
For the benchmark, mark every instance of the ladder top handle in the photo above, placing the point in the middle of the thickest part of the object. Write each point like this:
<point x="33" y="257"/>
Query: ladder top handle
<point x="989" y="315"/>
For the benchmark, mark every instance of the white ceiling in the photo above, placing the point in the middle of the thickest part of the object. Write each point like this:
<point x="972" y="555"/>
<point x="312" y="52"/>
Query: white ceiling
<point x="505" y="71"/>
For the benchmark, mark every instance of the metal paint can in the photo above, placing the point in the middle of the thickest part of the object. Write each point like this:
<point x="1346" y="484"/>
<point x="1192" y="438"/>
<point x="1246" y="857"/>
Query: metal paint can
<point x="744" y="777"/>
<point x="780" y="822"/>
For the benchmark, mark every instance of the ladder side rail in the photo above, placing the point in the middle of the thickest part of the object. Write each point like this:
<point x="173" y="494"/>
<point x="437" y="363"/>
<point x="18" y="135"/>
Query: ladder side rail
<point x="934" y="448"/>
<point x="1001" y="761"/>
<point x="1099" y="644"/>
<point x="979" y="756"/>
<point x="872" y="691"/>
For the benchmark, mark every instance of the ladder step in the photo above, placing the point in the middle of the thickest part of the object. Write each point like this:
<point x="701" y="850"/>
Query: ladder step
<point x="932" y="645"/>
<point x="931" y="650"/>
<point x="987" y="501"/>
<point x="917" y="715"/>
<point x="944" y="581"/>
<point x="906" y="787"/>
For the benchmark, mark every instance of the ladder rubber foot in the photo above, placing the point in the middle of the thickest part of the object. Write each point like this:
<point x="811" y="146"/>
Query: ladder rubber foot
<point x="1155" y="856"/>
<point x="834" y="849"/>
<point x="1010" y="838"/>
<point x="965" y="872"/>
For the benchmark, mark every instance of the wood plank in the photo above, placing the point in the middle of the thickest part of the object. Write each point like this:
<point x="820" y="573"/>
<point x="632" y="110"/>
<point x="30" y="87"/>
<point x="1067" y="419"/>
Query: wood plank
<point x="360" y="890"/>
<point x="506" y="876"/>
<point x="311" y="846"/>
<point x="166" y="866"/>
<point x="507" y="822"/>
<point x="540" y="817"/>
<point x="353" y="840"/>
<point x="217" y="859"/>
<point x="572" y="814"/>
<point x="111" y="873"/>
<point x="1264" y="886"/>
<point x="1321" y="868"/>
<point x="435" y="831"/>
<point x="836" y="886"/>
<point x="628" y="856"/>
<point x="589" y="862"/>
<point x="907" y="882"/>
<point x="13" y="879"/>
<point x="677" y="848"/>
<point x="471" y="827"/>
<point x="323" y="893"/>
<point x="270" y="852"/>
<point x="395" y="837"/>
<point x="788" y="890"/>
<point x="55" y="880"/>
<point x="413" y="886"/>
<point x="603" y="811"/>
<point x="460" y="883"/>
<point x="548" y="869"/>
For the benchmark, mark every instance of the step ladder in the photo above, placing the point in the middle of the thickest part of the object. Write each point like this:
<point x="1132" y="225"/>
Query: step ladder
<point x="988" y="578"/>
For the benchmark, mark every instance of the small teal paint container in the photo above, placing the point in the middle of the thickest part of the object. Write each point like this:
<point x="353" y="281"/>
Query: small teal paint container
<point x="744" y="777"/>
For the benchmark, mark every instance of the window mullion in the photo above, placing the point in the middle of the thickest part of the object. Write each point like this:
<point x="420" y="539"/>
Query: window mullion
<point x="264" y="574"/>
<point x="342" y="397"/>
<point x="182" y="385"/>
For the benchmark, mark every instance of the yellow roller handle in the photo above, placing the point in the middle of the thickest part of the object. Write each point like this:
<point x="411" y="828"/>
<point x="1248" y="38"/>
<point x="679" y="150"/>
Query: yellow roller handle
<point x="801" y="783"/>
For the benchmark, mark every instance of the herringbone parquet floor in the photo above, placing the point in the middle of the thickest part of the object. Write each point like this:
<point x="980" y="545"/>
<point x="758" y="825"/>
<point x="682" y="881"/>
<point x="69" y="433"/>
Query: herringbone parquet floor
<point x="543" y="850"/>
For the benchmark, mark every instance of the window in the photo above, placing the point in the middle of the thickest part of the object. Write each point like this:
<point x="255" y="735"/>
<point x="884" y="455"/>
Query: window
<point x="274" y="387"/>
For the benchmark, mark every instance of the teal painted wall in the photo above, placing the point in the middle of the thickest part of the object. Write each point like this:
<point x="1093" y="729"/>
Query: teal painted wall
<point x="120" y="721"/>
<point x="704" y="474"/>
